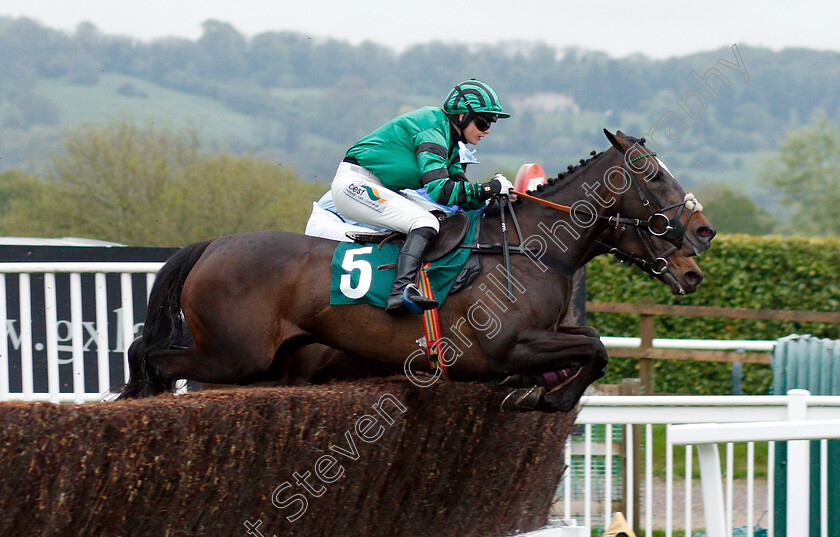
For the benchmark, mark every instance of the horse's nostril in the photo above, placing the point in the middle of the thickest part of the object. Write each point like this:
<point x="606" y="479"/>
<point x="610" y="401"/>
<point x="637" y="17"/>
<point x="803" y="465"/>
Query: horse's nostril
<point x="693" y="277"/>
<point x="706" y="232"/>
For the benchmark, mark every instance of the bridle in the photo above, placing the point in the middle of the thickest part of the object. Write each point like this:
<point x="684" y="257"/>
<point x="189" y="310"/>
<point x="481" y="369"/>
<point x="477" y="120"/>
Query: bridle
<point x="672" y="229"/>
<point x="658" y="223"/>
<point x="657" y="266"/>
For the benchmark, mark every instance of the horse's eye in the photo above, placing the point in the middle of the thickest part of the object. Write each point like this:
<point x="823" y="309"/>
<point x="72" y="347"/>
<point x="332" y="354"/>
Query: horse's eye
<point x="653" y="176"/>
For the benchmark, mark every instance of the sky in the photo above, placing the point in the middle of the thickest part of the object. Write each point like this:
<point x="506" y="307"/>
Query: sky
<point x="655" y="28"/>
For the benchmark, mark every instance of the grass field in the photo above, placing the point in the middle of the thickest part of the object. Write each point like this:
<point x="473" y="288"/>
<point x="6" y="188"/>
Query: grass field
<point x="103" y="102"/>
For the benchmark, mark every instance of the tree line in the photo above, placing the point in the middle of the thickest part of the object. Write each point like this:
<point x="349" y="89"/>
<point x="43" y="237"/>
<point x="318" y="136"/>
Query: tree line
<point x="151" y="186"/>
<point x="785" y="88"/>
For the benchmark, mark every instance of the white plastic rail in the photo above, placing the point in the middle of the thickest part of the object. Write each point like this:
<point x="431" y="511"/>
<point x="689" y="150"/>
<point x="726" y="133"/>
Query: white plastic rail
<point x="797" y="430"/>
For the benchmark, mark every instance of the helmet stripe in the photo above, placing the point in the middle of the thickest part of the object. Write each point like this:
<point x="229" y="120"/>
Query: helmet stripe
<point x="473" y="96"/>
<point x="486" y="90"/>
<point x="465" y="92"/>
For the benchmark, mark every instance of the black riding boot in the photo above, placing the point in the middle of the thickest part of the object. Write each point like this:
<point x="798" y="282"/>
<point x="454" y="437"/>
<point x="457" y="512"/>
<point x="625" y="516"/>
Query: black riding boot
<point x="404" y="294"/>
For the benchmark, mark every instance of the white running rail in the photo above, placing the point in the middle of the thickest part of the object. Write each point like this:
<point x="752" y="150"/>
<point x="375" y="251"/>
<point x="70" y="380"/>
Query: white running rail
<point x="638" y="415"/>
<point x="797" y="430"/>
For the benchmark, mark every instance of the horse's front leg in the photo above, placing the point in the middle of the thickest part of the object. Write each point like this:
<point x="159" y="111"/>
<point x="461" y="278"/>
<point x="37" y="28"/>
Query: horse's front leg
<point x="538" y="352"/>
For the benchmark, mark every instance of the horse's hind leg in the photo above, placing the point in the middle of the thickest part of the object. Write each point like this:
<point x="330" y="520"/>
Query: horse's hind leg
<point x="170" y="365"/>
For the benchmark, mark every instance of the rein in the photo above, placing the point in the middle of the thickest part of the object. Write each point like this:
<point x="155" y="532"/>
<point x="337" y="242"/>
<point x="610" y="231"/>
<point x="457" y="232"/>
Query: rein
<point x="556" y="206"/>
<point x="617" y="220"/>
<point x="659" y="263"/>
<point x="613" y="220"/>
<point x="672" y="229"/>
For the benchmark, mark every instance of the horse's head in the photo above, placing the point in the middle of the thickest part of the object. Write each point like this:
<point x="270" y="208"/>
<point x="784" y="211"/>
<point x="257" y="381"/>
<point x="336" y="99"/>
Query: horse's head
<point x="652" y="190"/>
<point x="658" y="258"/>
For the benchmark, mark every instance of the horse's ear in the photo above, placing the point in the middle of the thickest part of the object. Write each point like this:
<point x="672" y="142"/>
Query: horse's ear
<point x="613" y="140"/>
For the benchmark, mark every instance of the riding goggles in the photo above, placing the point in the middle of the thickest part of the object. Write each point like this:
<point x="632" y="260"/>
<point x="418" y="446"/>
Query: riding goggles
<point x="483" y="121"/>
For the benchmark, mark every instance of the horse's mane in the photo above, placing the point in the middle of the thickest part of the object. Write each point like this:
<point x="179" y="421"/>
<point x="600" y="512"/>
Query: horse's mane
<point x="570" y="170"/>
<point x="573" y="169"/>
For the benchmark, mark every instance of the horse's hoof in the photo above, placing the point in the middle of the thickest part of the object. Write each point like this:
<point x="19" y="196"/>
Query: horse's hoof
<point x="559" y="402"/>
<point x="523" y="399"/>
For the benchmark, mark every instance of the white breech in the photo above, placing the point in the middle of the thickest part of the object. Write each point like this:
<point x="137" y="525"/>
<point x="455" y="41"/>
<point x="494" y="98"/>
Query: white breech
<point x="359" y="195"/>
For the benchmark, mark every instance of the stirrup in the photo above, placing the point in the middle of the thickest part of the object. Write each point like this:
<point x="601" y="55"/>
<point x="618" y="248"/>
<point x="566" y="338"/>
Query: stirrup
<point x="419" y="303"/>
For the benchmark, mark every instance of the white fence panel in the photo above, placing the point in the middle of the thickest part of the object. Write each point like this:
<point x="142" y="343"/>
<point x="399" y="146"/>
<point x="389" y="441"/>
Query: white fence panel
<point x="639" y="413"/>
<point x="74" y="334"/>
<point x="706" y="437"/>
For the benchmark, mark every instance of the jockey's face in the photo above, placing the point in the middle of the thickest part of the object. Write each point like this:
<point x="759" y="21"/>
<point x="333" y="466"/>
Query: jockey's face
<point x="471" y="133"/>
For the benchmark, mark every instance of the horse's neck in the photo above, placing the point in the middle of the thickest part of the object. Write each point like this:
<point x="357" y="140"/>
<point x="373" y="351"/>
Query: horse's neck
<point x="571" y="238"/>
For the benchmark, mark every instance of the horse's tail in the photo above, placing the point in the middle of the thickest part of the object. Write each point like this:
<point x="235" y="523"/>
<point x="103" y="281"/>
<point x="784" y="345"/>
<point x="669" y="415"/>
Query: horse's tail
<point x="164" y="326"/>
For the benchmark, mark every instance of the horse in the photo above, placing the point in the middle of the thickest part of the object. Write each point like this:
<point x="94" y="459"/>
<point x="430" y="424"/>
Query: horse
<point x="319" y="364"/>
<point x="251" y="301"/>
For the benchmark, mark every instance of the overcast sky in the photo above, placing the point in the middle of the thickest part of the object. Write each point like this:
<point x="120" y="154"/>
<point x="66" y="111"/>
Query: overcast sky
<point x="656" y="28"/>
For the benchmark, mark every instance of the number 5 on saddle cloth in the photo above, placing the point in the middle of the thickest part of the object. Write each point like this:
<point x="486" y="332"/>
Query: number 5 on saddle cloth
<point x="364" y="273"/>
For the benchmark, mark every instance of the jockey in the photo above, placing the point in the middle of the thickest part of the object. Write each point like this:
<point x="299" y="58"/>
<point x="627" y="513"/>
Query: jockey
<point x="414" y="150"/>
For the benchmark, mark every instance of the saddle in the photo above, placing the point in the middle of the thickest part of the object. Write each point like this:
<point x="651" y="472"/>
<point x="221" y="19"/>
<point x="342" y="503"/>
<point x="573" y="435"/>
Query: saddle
<point x="453" y="229"/>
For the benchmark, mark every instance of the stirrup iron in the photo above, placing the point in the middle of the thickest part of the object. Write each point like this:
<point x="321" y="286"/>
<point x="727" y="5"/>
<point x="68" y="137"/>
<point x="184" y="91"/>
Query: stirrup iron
<point x="420" y="303"/>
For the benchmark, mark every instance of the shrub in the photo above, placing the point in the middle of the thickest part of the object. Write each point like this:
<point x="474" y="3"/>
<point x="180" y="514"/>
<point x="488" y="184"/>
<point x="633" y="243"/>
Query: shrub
<point x="792" y="273"/>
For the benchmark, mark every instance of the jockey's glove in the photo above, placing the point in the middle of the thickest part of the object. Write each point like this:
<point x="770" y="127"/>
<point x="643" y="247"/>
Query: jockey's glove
<point x="498" y="185"/>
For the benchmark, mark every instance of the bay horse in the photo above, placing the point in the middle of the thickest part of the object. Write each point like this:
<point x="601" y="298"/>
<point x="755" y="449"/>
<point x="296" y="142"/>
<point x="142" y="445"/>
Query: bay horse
<point x="659" y="259"/>
<point x="251" y="301"/>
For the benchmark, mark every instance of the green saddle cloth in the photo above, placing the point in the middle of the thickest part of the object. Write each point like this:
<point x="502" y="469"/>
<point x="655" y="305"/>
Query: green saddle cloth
<point x="357" y="278"/>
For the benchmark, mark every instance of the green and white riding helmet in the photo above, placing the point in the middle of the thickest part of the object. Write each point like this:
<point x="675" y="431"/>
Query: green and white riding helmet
<point x="474" y="98"/>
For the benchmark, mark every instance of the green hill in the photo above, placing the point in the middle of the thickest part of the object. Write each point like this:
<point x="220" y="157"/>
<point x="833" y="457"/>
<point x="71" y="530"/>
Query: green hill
<point x="115" y="94"/>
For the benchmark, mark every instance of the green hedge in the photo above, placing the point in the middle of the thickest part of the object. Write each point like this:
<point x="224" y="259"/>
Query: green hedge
<point x="740" y="271"/>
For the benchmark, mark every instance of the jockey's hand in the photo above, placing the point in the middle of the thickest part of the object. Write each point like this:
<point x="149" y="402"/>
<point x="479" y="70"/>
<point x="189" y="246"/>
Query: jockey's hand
<point x="505" y="185"/>
<point x="498" y="185"/>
